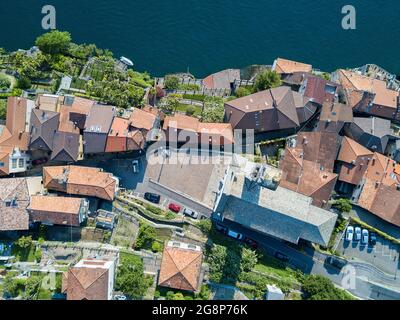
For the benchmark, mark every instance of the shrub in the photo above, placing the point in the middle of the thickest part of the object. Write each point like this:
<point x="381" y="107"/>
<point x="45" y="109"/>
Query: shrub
<point x="205" y="226"/>
<point x="38" y="255"/>
<point x="266" y="80"/>
<point x="242" y="92"/>
<point x="317" y="287"/>
<point x="5" y="82"/>
<point x="23" y="83"/>
<point x="156" y="247"/>
<point x="170" y="215"/>
<point x="343" y="205"/>
<point x="146" y="236"/>
<point x="190" y="110"/>
<point x="171" y="82"/>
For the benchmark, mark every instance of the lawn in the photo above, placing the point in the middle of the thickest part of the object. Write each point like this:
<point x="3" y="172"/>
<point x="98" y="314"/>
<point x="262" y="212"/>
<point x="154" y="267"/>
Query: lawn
<point x="270" y="265"/>
<point x="184" y="107"/>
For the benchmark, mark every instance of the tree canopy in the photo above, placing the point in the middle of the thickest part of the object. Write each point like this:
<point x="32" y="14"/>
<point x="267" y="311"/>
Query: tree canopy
<point x="343" y="205"/>
<point x="266" y="80"/>
<point x="130" y="277"/>
<point x="54" y="42"/>
<point x="317" y="287"/>
<point x="213" y="110"/>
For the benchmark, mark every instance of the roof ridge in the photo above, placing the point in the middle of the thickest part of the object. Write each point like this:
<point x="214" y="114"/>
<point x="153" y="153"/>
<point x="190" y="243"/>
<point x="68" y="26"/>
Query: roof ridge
<point x="87" y="287"/>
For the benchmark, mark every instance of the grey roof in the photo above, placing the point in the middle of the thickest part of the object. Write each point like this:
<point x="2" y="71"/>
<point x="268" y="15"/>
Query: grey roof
<point x="374" y="126"/>
<point x="65" y="147"/>
<point x="270" y="212"/>
<point x="44" y="124"/>
<point x="100" y="118"/>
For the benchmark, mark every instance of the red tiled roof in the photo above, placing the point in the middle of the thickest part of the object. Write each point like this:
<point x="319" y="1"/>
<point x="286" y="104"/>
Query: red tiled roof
<point x="180" y="268"/>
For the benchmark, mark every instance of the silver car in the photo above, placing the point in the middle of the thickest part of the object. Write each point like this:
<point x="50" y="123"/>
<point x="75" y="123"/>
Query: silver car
<point x="350" y="233"/>
<point x="135" y="165"/>
<point x="365" y="236"/>
<point x="190" y="213"/>
<point x="357" y="233"/>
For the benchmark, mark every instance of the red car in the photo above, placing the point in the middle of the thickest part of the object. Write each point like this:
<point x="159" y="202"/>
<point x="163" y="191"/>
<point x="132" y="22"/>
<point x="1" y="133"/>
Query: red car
<point x="251" y="243"/>
<point x="174" y="207"/>
<point x="39" y="161"/>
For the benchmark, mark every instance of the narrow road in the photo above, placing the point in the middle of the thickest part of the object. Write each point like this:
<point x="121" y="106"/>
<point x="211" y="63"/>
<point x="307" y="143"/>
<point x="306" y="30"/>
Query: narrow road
<point x="370" y="282"/>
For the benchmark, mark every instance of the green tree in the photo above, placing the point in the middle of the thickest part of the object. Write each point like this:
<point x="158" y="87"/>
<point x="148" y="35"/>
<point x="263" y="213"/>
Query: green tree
<point x="242" y="92"/>
<point x="266" y="80"/>
<point x="317" y="287"/>
<point x="131" y="279"/>
<point x="213" y="110"/>
<point x="343" y="205"/>
<point x="24" y="242"/>
<point x="249" y="260"/>
<point x="170" y="103"/>
<point x="205" y="293"/>
<point x="171" y="82"/>
<point x="10" y="285"/>
<point x="54" y="42"/>
<point x="3" y="109"/>
<point x="32" y="287"/>
<point x="205" y="225"/>
<point x="23" y="83"/>
<point x="146" y="236"/>
<point x="5" y="82"/>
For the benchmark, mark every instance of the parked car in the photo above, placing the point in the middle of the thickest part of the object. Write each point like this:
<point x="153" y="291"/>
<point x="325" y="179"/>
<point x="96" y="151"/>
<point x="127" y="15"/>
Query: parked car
<point x="365" y="236"/>
<point x="152" y="197"/>
<point x="190" y="213"/>
<point x="349" y="233"/>
<point x="135" y="166"/>
<point x="221" y="228"/>
<point x="282" y="257"/>
<point x="372" y="238"/>
<point x="251" y="243"/>
<point x="174" y="207"/>
<point x="39" y="161"/>
<point x="337" y="262"/>
<point x="357" y="233"/>
<point x="119" y="297"/>
<point x="235" y="235"/>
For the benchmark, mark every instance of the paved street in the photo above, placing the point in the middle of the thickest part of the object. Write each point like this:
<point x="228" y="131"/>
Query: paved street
<point x="370" y="282"/>
<point x="384" y="255"/>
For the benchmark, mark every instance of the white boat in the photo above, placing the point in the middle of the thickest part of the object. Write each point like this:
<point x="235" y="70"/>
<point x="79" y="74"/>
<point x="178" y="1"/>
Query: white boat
<point x="126" y="61"/>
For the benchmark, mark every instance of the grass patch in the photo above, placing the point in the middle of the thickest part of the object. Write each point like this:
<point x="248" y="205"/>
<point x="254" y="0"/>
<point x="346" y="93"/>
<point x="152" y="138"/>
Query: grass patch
<point x="197" y="110"/>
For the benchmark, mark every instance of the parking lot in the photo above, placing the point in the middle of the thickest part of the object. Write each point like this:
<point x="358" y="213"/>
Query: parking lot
<point x="384" y="254"/>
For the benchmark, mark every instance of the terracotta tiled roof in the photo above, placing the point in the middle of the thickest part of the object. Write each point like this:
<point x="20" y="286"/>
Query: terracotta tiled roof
<point x="319" y="147"/>
<point x="14" y="199"/>
<point x="354" y="81"/>
<point x="66" y="125"/>
<point x="306" y="177"/>
<point x="219" y="133"/>
<point x="142" y="119"/>
<point x="180" y="268"/>
<point x="79" y="180"/>
<point x="289" y="66"/>
<point x="55" y="210"/>
<point x="87" y="282"/>
<point x="356" y="159"/>
<point x="122" y="138"/>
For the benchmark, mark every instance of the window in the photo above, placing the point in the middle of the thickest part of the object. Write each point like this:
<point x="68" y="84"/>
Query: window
<point x="1" y="164"/>
<point x="21" y="163"/>
<point x="14" y="163"/>
<point x="8" y="203"/>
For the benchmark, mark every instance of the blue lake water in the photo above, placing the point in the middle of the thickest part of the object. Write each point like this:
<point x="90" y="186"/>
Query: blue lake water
<point x="163" y="36"/>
